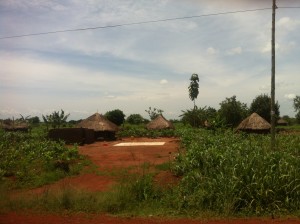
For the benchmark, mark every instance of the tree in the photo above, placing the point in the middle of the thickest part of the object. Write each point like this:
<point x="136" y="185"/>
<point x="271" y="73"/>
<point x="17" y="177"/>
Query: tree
<point x="262" y="106"/>
<point x="232" y="111"/>
<point x="194" y="88"/>
<point x="56" y="119"/>
<point x="116" y="116"/>
<point x="135" y="119"/>
<point x="153" y="113"/>
<point x="194" y="117"/>
<point x="296" y="105"/>
<point x="34" y="120"/>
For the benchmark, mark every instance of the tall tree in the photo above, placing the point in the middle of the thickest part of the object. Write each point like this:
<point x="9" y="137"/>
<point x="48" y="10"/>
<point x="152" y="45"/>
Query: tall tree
<point x="296" y="105"/>
<point x="262" y="106"/>
<point x="135" y="119"/>
<point x="56" y="119"/>
<point x="116" y="116"/>
<point x="232" y="111"/>
<point x="194" y="88"/>
<point x="153" y="113"/>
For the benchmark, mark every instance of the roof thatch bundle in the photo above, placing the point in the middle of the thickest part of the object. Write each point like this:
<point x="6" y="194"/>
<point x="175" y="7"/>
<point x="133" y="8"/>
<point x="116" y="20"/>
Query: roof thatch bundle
<point x="282" y="122"/>
<point x="254" y="123"/>
<point x="98" y="122"/>
<point x="11" y="125"/>
<point x="159" y="123"/>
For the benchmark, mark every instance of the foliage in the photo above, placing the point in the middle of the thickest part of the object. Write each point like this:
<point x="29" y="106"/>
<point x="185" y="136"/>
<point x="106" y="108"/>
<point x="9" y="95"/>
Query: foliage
<point x="153" y="113"/>
<point x="32" y="159"/>
<point x="232" y="111"/>
<point x="116" y="116"/>
<point x="232" y="173"/>
<point x="135" y="119"/>
<point x="141" y="131"/>
<point x="194" y="88"/>
<point x="56" y="119"/>
<point x="262" y="106"/>
<point x="296" y="105"/>
<point x="194" y="117"/>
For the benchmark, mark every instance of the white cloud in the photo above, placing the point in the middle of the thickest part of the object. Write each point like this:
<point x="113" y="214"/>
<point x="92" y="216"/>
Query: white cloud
<point x="290" y="96"/>
<point x="267" y="48"/>
<point x="234" y="51"/>
<point x="163" y="81"/>
<point x="288" y="23"/>
<point x="211" y="51"/>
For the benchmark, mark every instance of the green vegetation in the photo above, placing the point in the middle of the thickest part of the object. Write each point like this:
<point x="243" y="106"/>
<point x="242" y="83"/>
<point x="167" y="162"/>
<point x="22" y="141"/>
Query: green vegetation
<point x="116" y="116"/>
<point x="222" y="174"/>
<point x="56" y="119"/>
<point x="262" y="106"/>
<point x="33" y="161"/>
<point x="141" y="131"/>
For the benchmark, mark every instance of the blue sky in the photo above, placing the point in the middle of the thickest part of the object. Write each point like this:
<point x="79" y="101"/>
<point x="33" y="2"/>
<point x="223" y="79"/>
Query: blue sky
<point x="133" y="67"/>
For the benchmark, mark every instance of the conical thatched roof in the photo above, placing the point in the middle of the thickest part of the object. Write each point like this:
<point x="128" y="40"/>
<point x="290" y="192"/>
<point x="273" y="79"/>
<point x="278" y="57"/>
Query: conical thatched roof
<point x="159" y="123"/>
<point x="98" y="122"/>
<point x="281" y="121"/>
<point x="254" y="123"/>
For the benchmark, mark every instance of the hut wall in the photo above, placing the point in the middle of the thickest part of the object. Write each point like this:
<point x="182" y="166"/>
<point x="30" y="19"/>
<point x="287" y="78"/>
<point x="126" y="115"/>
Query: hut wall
<point x="105" y="135"/>
<point x="89" y="136"/>
<point x="72" y="135"/>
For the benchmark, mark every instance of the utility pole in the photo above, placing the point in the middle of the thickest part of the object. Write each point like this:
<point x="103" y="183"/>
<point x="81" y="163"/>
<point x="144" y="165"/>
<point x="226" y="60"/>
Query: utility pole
<point x="273" y="118"/>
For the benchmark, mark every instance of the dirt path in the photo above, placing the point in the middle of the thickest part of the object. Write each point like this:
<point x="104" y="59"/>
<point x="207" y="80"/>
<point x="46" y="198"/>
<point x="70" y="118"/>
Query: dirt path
<point x="108" y="158"/>
<point x="13" y="218"/>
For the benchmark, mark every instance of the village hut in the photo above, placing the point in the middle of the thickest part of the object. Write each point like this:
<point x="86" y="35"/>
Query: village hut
<point x="254" y="124"/>
<point x="104" y="129"/>
<point x="159" y="123"/>
<point x="282" y="122"/>
<point x="12" y="125"/>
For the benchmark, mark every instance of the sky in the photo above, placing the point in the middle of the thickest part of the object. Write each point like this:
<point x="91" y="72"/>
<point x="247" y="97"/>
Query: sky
<point x="134" y="67"/>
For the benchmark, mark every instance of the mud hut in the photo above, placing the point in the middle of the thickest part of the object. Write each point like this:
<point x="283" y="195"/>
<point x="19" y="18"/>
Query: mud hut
<point x="104" y="129"/>
<point x="254" y="124"/>
<point x="282" y="122"/>
<point x="159" y="123"/>
<point x="12" y="125"/>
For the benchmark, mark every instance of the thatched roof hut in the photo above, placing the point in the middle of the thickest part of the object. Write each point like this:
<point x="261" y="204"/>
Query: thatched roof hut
<point x="282" y="122"/>
<point x="12" y="125"/>
<point x="159" y="123"/>
<point x="104" y="129"/>
<point x="98" y="122"/>
<point x="255" y="124"/>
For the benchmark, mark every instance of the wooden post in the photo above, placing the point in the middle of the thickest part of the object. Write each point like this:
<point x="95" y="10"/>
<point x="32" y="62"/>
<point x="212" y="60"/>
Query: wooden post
<point x="273" y="117"/>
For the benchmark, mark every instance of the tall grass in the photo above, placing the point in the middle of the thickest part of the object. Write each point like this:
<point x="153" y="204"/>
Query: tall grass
<point x="235" y="173"/>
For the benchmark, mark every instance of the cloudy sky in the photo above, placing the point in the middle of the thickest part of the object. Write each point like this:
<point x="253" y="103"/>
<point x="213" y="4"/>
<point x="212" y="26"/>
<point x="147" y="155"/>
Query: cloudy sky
<point x="133" y="67"/>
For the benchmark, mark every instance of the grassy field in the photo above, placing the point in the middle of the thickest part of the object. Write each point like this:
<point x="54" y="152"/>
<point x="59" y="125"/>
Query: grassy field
<point x="222" y="174"/>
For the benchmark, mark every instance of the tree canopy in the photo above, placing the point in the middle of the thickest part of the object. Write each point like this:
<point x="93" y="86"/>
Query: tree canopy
<point x="194" y="88"/>
<point x="262" y="106"/>
<point x="135" y="119"/>
<point x="232" y="111"/>
<point x="116" y="116"/>
<point x="296" y="105"/>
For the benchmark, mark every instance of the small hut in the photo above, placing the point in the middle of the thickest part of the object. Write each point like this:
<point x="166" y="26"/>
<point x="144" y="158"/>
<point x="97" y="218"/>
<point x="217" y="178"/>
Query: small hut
<point x="282" y="122"/>
<point x="104" y="129"/>
<point x="12" y="125"/>
<point x="254" y="124"/>
<point x="159" y="123"/>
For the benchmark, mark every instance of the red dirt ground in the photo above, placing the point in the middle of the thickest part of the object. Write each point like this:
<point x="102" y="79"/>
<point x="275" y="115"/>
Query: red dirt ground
<point x="108" y="157"/>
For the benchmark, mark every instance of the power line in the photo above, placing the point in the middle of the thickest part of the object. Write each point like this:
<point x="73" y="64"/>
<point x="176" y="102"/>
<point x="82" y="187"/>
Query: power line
<point x="131" y="24"/>
<point x="143" y="22"/>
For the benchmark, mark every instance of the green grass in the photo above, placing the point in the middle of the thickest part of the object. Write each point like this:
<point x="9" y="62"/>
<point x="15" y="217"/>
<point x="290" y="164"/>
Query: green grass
<point x="222" y="174"/>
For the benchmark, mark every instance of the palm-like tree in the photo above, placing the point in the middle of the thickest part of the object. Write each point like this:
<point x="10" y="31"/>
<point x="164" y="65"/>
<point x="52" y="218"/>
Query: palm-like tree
<point x="194" y="88"/>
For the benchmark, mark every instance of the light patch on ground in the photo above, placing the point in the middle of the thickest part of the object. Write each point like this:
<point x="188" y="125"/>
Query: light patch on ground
<point x="139" y="143"/>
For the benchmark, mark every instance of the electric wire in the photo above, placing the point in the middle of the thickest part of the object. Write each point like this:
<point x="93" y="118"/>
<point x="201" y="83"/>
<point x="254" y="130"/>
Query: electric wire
<point x="133" y="23"/>
<point x="143" y="22"/>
